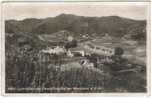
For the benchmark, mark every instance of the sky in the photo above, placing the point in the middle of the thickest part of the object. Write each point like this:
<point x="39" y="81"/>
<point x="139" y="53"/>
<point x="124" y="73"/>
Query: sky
<point x="43" y="10"/>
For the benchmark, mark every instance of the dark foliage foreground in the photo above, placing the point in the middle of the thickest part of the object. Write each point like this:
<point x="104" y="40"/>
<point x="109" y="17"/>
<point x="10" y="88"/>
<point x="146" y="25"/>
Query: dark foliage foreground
<point x="27" y="74"/>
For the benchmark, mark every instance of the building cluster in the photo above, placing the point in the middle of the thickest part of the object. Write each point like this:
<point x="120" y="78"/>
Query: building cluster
<point x="51" y="54"/>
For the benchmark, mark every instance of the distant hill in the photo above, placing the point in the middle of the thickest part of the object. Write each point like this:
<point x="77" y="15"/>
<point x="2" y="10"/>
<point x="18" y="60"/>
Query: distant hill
<point x="24" y="26"/>
<point x="113" y="25"/>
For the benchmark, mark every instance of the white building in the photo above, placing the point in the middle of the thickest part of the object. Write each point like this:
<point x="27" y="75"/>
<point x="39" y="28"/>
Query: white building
<point x="72" y="53"/>
<point x="57" y="50"/>
<point x="69" y="54"/>
<point x="101" y="50"/>
<point x="70" y="38"/>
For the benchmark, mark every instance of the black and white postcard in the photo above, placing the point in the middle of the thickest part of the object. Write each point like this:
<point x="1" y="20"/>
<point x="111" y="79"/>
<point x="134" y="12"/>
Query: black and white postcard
<point x="75" y="47"/>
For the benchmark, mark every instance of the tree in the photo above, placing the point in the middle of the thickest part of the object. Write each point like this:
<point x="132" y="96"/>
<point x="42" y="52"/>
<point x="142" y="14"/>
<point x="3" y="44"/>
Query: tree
<point x="71" y="44"/>
<point x="93" y="59"/>
<point x="119" y="51"/>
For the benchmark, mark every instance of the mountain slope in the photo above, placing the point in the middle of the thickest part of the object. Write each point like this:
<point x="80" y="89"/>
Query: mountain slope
<point x="113" y="25"/>
<point x="24" y="26"/>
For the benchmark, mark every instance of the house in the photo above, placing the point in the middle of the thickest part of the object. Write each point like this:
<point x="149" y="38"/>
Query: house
<point x="75" y="53"/>
<point x="49" y="53"/>
<point x="81" y="52"/>
<point x="78" y="51"/>
<point x="98" y="49"/>
<point x="69" y="54"/>
<point x="70" y="38"/>
<point x="57" y="50"/>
